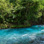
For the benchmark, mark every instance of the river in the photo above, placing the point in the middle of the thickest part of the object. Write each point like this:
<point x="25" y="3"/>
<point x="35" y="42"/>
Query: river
<point x="31" y="35"/>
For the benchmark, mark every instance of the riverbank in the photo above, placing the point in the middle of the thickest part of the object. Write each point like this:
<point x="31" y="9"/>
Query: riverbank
<point x="5" y="26"/>
<point x="9" y="25"/>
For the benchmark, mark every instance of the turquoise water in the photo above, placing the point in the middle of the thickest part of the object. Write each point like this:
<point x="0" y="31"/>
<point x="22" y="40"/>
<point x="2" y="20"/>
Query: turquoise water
<point x="20" y="35"/>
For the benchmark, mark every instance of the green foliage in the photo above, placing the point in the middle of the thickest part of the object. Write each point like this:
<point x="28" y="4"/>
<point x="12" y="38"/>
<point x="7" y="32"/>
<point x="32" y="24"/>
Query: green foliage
<point x="20" y="12"/>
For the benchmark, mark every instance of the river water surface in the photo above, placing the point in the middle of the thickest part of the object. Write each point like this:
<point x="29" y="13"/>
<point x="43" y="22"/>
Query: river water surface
<point x="21" y="35"/>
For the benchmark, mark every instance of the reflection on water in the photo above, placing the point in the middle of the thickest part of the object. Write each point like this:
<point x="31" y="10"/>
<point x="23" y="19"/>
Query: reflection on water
<point x="11" y="36"/>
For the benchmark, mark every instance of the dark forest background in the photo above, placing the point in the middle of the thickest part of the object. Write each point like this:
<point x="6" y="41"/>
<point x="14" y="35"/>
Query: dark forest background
<point x="21" y="13"/>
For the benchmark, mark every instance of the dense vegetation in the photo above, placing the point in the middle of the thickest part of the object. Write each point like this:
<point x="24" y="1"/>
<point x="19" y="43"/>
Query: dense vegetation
<point x="21" y="13"/>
